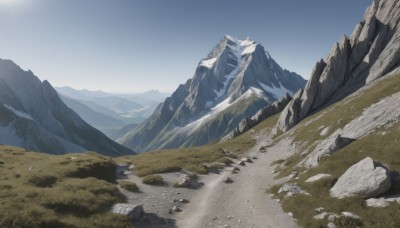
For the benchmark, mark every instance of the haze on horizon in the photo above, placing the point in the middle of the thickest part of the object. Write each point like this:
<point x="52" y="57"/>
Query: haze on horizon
<point x="135" y="46"/>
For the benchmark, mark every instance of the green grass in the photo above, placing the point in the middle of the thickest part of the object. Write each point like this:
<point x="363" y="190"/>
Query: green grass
<point x="129" y="185"/>
<point x="192" y="159"/>
<point x="41" y="190"/>
<point x="153" y="180"/>
<point x="381" y="147"/>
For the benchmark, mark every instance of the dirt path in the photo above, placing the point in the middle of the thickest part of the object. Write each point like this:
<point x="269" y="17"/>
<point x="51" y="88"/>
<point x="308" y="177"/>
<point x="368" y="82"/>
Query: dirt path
<point x="243" y="203"/>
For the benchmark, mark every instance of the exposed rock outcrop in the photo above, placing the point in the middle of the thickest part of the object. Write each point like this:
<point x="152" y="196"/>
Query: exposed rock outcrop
<point x="372" y="51"/>
<point x="318" y="177"/>
<point x="367" y="178"/>
<point x="261" y="115"/>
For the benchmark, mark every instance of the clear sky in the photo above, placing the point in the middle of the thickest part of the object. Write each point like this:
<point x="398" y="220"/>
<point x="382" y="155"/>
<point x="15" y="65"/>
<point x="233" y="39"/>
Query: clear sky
<point x="137" y="45"/>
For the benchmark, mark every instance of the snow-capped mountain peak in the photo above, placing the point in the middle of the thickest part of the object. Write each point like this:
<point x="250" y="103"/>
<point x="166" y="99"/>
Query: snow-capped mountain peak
<point x="236" y="79"/>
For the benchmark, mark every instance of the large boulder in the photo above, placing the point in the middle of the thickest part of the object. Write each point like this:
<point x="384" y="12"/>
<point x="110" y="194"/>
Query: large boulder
<point x="367" y="178"/>
<point x="187" y="182"/>
<point x="134" y="212"/>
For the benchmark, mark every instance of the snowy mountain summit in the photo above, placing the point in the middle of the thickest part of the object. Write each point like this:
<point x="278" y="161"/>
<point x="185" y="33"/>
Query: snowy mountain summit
<point x="235" y="80"/>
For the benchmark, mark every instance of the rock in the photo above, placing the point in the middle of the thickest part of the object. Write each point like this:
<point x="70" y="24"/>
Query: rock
<point x="292" y="189"/>
<point x="131" y="166"/>
<point x="186" y="182"/>
<point x="227" y="180"/>
<point x="331" y="225"/>
<point x="246" y="159"/>
<point x="367" y="178"/>
<point x="176" y="209"/>
<point x="183" y="201"/>
<point x="242" y="163"/>
<point x="134" y="212"/>
<point x="317" y="177"/>
<point x="332" y="217"/>
<point x="319" y="210"/>
<point x="290" y="214"/>
<point x="350" y="215"/>
<point x="321" y="215"/>
<point x="325" y="131"/>
<point x="339" y="142"/>
<point x="261" y="115"/>
<point x="372" y="51"/>
<point x="383" y="201"/>
<point x="263" y="149"/>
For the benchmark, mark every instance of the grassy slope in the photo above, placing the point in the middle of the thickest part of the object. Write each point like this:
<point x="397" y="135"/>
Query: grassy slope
<point x="192" y="159"/>
<point x="41" y="190"/>
<point x="384" y="147"/>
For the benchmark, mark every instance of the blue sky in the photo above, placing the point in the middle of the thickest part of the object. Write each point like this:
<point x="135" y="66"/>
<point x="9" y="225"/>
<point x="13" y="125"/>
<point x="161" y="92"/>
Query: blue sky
<point x="134" y="46"/>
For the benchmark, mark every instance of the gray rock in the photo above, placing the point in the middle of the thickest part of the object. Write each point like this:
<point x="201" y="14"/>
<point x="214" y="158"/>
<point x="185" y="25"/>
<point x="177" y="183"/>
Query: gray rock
<point x="186" y="182"/>
<point x="317" y="177"/>
<point x="242" y="163"/>
<point x="372" y="51"/>
<point x="331" y="225"/>
<point x="292" y="189"/>
<point x="340" y="142"/>
<point x="263" y="149"/>
<point x="176" y="209"/>
<point x="134" y="212"/>
<point x="367" y="178"/>
<point x="383" y="201"/>
<point x="319" y="210"/>
<point x="227" y="180"/>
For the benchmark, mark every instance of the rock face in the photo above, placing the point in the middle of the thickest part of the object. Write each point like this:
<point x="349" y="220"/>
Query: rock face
<point x="237" y="79"/>
<point x="372" y="51"/>
<point x="367" y="178"/>
<point x="134" y="212"/>
<point x="261" y="115"/>
<point x="33" y="116"/>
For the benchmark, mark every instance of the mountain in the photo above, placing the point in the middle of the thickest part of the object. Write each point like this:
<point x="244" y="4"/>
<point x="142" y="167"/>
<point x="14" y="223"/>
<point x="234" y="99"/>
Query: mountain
<point x="129" y="109"/>
<point x="34" y="117"/>
<point x="372" y="51"/>
<point x="237" y="79"/>
<point x="98" y="120"/>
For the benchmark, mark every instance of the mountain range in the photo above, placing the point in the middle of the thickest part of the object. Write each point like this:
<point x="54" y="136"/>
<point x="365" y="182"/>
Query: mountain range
<point x="34" y="117"/>
<point x="109" y="112"/>
<point x="235" y="80"/>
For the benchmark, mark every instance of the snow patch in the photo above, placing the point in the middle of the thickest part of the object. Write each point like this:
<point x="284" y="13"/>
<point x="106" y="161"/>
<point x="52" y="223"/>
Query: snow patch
<point x="249" y="50"/>
<point x="19" y="113"/>
<point x="277" y="92"/>
<point x="209" y="63"/>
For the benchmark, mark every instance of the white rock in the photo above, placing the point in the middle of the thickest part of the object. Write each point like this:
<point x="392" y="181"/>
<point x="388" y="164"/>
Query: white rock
<point x="134" y="212"/>
<point x="325" y="131"/>
<point x="366" y="178"/>
<point x="331" y="225"/>
<point x="383" y="201"/>
<point x="350" y="215"/>
<point x="317" y="177"/>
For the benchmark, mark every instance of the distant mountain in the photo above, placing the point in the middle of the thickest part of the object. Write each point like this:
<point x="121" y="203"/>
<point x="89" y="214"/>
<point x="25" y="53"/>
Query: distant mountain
<point x="129" y="109"/>
<point x="34" y="117"/>
<point x="237" y="79"/>
<point x="99" y="120"/>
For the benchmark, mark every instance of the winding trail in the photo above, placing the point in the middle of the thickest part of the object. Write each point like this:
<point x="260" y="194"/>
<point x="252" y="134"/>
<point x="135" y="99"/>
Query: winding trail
<point x="241" y="204"/>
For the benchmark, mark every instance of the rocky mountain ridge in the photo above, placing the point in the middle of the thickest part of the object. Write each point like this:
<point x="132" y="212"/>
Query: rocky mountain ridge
<point x="236" y="79"/>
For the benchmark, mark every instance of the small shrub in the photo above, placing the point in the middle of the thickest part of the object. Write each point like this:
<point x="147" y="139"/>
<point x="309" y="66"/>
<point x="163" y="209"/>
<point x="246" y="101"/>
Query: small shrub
<point x="347" y="222"/>
<point x="42" y="181"/>
<point x="225" y="160"/>
<point x="128" y="185"/>
<point x="153" y="180"/>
